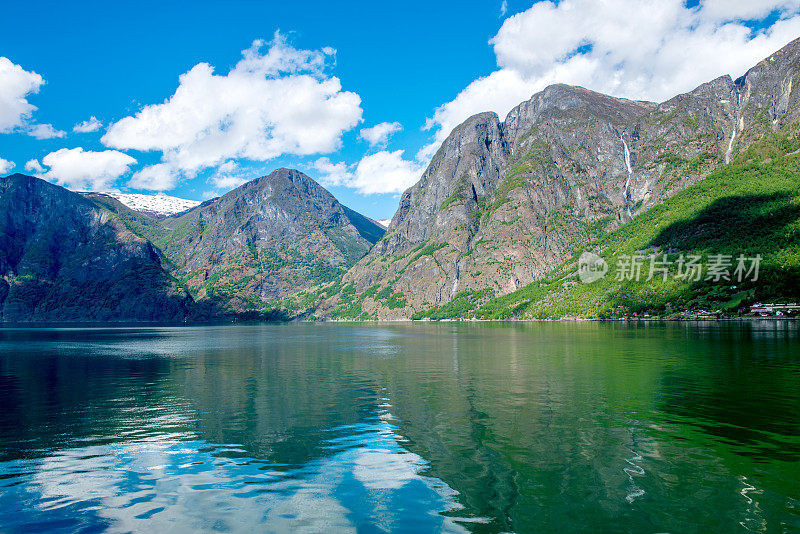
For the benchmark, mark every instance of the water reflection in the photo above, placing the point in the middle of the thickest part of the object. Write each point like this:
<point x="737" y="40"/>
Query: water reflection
<point x="368" y="482"/>
<point x="495" y="428"/>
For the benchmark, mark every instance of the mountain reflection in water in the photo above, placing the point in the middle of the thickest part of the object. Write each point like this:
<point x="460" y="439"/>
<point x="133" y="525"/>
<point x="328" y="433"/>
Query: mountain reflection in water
<point x="402" y="428"/>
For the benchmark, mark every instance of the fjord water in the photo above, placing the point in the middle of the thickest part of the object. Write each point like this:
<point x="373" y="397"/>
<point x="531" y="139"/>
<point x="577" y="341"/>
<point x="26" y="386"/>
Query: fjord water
<point x="551" y="427"/>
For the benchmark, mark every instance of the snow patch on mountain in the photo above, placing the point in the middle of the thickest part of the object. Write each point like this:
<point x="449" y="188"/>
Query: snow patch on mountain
<point x="158" y="204"/>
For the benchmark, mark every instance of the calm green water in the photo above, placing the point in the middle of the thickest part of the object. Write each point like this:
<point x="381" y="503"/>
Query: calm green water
<point x="402" y="428"/>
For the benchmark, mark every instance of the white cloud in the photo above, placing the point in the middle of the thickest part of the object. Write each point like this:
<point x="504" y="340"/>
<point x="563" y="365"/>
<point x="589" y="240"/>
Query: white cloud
<point x="229" y="176"/>
<point x="158" y="177"/>
<point x="91" y="125"/>
<point x="16" y="84"/>
<point x="6" y="166"/>
<point x="273" y="102"/>
<point x="746" y="9"/>
<point x="333" y="173"/>
<point x="45" y="131"/>
<point x="83" y="170"/>
<point x="386" y="172"/>
<point x="380" y="133"/>
<point x="503" y="8"/>
<point x="381" y="172"/>
<point x="640" y="49"/>
<point x="228" y="181"/>
<point x="34" y="166"/>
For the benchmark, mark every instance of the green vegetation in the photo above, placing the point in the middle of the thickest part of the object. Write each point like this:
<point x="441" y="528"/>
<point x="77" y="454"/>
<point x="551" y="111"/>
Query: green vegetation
<point x="749" y="207"/>
<point x="391" y="299"/>
<point x="518" y="174"/>
<point x="461" y="305"/>
<point x="427" y="250"/>
<point x="461" y="191"/>
<point x="349" y="304"/>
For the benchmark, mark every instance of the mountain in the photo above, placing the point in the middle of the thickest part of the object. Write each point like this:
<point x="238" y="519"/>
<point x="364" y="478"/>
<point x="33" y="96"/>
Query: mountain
<point x="64" y="258"/>
<point x="493" y="228"/>
<point x="267" y="239"/>
<point x="157" y="206"/>
<point x="749" y="208"/>
<point x="503" y="203"/>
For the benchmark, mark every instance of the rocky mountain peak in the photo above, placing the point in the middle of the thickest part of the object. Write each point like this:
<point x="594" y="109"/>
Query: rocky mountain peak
<point x="561" y="100"/>
<point x="269" y="237"/>
<point x="503" y="202"/>
<point x="770" y="87"/>
<point x="64" y="258"/>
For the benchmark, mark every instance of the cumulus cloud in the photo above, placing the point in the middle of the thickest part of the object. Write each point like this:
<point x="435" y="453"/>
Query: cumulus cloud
<point x="228" y="181"/>
<point x="381" y="172"/>
<point x="34" y="166"/>
<point x="639" y="49"/>
<point x="333" y="173"/>
<point x="6" y="166"/>
<point x="91" y="125"/>
<point x="380" y="133"/>
<point x="229" y="176"/>
<point x="158" y="177"/>
<point x="746" y="9"/>
<point x="45" y="131"/>
<point x="276" y="100"/>
<point x="16" y="84"/>
<point x="386" y="172"/>
<point x="84" y="170"/>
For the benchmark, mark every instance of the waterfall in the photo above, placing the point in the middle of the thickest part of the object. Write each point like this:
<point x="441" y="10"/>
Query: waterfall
<point x="630" y="171"/>
<point x="737" y="118"/>
<point x="455" y="280"/>
<point x="627" y="155"/>
<point x="730" y="145"/>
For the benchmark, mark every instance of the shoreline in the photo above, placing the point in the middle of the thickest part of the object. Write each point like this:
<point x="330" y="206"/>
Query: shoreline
<point x="146" y="324"/>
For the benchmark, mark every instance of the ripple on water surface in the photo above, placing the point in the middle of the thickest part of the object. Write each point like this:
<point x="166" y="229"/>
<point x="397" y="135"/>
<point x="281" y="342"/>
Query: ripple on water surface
<point x="392" y="428"/>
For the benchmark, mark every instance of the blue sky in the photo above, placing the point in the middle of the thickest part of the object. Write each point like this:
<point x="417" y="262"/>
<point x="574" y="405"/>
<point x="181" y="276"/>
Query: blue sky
<point x="410" y="63"/>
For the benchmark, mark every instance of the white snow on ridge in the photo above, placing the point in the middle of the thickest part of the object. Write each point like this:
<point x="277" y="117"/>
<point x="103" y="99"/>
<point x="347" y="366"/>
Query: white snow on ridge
<point x="159" y="204"/>
<point x="384" y="222"/>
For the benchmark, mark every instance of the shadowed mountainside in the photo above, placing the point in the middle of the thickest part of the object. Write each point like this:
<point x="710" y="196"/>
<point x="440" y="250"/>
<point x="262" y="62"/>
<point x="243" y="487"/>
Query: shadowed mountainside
<point x="64" y="259"/>
<point x="504" y="203"/>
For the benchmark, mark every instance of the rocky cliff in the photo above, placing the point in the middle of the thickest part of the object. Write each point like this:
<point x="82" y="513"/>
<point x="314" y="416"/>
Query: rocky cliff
<point x="63" y="258"/>
<point x="500" y="205"/>
<point x="504" y="202"/>
<point x="264" y="240"/>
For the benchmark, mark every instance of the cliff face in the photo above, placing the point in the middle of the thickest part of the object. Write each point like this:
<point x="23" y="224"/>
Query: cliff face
<point x="266" y="239"/>
<point x="502" y="203"/>
<point x="87" y="257"/>
<point x="62" y="258"/>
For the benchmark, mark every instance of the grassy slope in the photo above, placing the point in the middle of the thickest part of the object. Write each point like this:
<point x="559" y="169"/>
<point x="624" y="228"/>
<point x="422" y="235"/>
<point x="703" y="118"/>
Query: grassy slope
<point x="225" y="290"/>
<point x="751" y="206"/>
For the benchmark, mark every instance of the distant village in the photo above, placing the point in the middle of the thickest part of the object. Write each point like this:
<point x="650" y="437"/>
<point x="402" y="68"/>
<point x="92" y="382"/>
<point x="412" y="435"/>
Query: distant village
<point x="777" y="310"/>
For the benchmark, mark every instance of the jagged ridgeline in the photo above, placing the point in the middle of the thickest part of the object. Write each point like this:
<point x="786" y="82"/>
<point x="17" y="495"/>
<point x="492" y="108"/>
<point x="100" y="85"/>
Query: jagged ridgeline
<point x="63" y="258"/>
<point x="265" y="240"/>
<point x="87" y="257"/>
<point x="503" y="204"/>
<point x="492" y="229"/>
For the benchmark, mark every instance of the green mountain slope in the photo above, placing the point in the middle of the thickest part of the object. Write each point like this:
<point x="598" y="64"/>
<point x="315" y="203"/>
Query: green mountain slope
<point x="750" y="207"/>
<point x="270" y="238"/>
<point x="503" y="203"/>
<point x="63" y="258"/>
